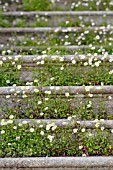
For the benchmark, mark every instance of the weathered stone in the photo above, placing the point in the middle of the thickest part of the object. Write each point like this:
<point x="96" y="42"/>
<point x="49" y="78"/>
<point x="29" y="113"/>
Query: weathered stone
<point x="53" y="163"/>
<point x="60" y="122"/>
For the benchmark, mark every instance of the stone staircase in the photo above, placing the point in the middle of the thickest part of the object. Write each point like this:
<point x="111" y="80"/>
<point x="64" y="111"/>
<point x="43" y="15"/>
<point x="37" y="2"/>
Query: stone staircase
<point x="56" y="85"/>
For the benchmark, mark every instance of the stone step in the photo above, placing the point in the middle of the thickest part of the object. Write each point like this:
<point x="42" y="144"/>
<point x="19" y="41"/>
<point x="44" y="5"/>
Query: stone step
<point x="64" y="123"/>
<point x="53" y="133"/>
<point x="92" y="101"/>
<point x="79" y="69"/>
<point x="33" y="59"/>
<point x="55" y="29"/>
<point x="29" y="75"/>
<point x="60" y="89"/>
<point x="56" y="36"/>
<point x="59" y="13"/>
<point x="58" y="163"/>
<point x="80" y="105"/>
<point x="56" y="18"/>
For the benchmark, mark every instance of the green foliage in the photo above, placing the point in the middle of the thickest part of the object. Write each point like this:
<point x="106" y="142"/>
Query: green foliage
<point x="4" y="22"/>
<point x="9" y="74"/>
<point x="20" y="23"/>
<point x="36" y="5"/>
<point x="21" y="140"/>
<point x="44" y="5"/>
<point x="82" y="37"/>
<point x="54" y="107"/>
<point x="74" y="74"/>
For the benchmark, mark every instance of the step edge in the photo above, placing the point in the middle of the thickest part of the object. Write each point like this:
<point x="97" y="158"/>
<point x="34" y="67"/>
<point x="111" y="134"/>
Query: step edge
<point x="64" y="122"/>
<point x="39" y="162"/>
<point x="47" y="13"/>
<point x="108" y="89"/>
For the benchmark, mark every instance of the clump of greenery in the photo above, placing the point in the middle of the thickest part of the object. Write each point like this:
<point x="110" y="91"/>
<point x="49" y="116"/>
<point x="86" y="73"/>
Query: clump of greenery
<point x="82" y="37"/>
<point x="92" y="5"/>
<point x="23" y="140"/>
<point x="4" y="22"/>
<point x="36" y="5"/>
<point x="39" y="107"/>
<point x="10" y="72"/>
<point x="40" y="5"/>
<point x="61" y="73"/>
<point x="20" y="23"/>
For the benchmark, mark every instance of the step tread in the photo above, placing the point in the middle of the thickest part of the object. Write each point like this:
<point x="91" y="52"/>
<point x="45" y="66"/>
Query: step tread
<point x="71" y="47"/>
<point x="53" y="58"/>
<point x="54" y="29"/>
<point x="65" y="122"/>
<point x="47" y="13"/>
<point x="58" y="162"/>
<point x="60" y="89"/>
